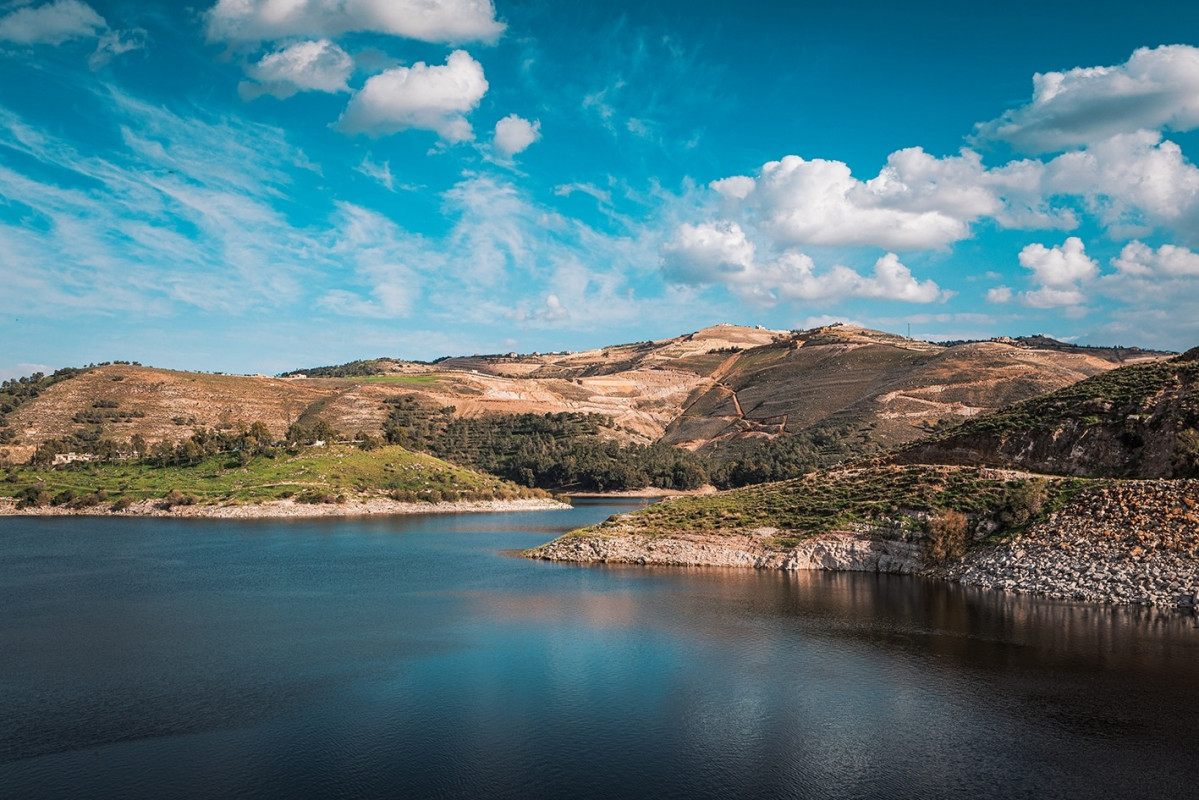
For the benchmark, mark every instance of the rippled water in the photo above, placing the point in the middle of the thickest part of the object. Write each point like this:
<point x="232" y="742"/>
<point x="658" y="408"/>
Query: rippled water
<point x="415" y="657"/>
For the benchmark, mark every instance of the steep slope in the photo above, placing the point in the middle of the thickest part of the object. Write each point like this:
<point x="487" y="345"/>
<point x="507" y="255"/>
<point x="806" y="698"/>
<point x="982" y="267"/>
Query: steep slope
<point x="877" y="388"/>
<point x="1135" y="421"/>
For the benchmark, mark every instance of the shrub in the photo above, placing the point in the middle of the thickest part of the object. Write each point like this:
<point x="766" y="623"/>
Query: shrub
<point x="1185" y="457"/>
<point x="123" y="502"/>
<point x="1024" y="503"/>
<point x="946" y="538"/>
<point x="87" y="500"/>
<point x="33" y="497"/>
<point x="177" y="498"/>
<point x="316" y="497"/>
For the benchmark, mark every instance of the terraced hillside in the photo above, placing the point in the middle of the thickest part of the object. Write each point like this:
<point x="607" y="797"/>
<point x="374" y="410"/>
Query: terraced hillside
<point x="723" y="391"/>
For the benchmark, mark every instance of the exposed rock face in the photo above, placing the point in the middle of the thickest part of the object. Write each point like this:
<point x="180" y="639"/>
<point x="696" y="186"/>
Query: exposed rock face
<point x="1133" y="543"/>
<point x="842" y="552"/>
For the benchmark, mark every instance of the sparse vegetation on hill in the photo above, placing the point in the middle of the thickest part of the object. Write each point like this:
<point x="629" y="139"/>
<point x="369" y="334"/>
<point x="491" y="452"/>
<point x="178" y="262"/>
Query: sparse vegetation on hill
<point x="1116" y="354"/>
<point x="352" y="369"/>
<point x="18" y="391"/>
<point x="727" y="404"/>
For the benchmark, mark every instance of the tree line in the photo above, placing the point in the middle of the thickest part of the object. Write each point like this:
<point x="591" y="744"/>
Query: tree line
<point x="552" y="450"/>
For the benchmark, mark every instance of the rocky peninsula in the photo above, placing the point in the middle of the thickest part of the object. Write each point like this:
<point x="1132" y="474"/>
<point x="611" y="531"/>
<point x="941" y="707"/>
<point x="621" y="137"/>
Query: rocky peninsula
<point x="1120" y="542"/>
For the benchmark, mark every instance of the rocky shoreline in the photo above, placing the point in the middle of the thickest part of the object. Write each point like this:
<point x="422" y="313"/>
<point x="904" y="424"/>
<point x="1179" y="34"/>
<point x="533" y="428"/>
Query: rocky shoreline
<point x="842" y="552"/>
<point x="1130" y="543"/>
<point x="288" y="509"/>
<point x="1135" y="543"/>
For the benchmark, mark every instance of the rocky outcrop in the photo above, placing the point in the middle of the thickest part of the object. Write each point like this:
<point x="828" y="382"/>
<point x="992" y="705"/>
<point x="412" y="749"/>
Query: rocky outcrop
<point x="841" y="552"/>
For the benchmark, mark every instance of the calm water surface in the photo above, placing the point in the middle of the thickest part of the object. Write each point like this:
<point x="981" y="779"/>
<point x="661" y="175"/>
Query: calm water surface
<point x="415" y="657"/>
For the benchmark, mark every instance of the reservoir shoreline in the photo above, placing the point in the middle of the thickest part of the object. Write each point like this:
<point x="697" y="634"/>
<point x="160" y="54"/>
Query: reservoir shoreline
<point x="276" y="509"/>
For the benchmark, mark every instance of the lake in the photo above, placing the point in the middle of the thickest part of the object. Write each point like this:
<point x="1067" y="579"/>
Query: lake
<point x="415" y="657"/>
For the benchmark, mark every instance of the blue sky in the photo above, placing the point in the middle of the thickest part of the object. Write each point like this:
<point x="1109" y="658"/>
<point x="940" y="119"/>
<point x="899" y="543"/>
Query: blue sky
<point x="259" y="185"/>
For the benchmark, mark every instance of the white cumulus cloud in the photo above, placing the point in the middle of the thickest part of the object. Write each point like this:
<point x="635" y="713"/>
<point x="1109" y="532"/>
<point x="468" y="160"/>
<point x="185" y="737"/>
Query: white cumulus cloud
<point x="1159" y="291"/>
<point x="1156" y="88"/>
<point x="1058" y="272"/>
<point x="917" y="201"/>
<point x="721" y="253"/>
<point x="450" y="21"/>
<point x="1131" y="180"/>
<point x="999" y="294"/>
<point x="319" y="66"/>
<point x="1168" y="260"/>
<point x="435" y="98"/>
<point x="819" y="202"/>
<point x="514" y="134"/>
<point x="711" y="252"/>
<point x="52" y="23"/>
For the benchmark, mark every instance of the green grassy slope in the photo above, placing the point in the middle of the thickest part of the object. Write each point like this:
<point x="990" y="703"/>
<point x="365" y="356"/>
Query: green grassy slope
<point x="317" y="474"/>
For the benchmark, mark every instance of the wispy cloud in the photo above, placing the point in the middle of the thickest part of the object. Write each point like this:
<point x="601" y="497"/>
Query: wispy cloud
<point x="51" y="23"/>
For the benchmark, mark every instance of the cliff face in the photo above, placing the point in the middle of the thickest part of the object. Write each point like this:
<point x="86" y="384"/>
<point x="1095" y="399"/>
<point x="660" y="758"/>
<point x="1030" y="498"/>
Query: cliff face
<point x="1138" y="421"/>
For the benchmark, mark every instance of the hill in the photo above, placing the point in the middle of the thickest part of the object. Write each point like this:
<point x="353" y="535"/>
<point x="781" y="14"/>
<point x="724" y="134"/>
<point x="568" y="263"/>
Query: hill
<point x="1138" y="421"/>
<point x="1111" y="541"/>
<point x="752" y="404"/>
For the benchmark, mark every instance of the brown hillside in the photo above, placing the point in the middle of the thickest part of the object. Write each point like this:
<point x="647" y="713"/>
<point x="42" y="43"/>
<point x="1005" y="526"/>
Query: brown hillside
<point x="721" y="387"/>
<point x="168" y="404"/>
